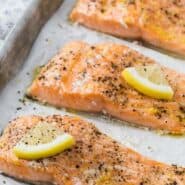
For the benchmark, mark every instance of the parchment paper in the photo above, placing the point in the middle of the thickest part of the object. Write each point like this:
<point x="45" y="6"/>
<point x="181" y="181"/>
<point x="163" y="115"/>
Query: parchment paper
<point x="53" y="36"/>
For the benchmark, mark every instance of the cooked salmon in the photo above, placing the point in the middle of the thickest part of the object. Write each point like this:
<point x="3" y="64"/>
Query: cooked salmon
<point x="88" y="78"/>
<point x="159" y="22"/>
<point x="95" y="159"/>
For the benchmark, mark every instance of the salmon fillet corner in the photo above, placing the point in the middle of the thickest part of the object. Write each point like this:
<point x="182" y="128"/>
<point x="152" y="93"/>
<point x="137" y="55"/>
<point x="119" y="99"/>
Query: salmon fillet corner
<point x="95" y="159"/>
<point x="159" y="22"/>
<point x="88" y="78"/>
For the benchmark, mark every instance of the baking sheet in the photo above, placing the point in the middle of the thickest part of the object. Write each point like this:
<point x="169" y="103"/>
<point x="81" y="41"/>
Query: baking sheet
<point x="19" y="38"/>
<point x="54" y="35"/>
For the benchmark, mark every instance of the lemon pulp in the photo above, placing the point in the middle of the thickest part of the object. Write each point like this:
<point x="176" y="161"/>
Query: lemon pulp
<point x="148" y="80"/>
<point x="44" y="140"/>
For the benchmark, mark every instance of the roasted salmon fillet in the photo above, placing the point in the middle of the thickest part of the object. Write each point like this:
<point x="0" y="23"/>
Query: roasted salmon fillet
<point x="159" y="22"/>
<point x="95" y="159"/>
<point x="88" y="78"/>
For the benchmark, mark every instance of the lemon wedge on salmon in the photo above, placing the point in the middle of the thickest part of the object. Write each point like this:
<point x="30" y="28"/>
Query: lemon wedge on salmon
<point x="44" y="140"/>
<point x="148" y="80"/>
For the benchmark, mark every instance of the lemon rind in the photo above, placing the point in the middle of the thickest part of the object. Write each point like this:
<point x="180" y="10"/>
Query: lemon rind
<point x="33" y="152"/>
<point x="145" y="86"/>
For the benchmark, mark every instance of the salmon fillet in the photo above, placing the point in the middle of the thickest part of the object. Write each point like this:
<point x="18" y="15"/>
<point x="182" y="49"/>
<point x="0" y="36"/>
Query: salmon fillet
<point x="95" y="159"/>
<point x="159" y="22"/>
<point x="88" y="78"/>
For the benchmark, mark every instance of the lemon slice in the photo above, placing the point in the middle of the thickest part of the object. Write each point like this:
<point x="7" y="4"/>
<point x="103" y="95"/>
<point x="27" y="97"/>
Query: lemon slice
<point x="44" y="140"/>
<point x="148" y="80"/>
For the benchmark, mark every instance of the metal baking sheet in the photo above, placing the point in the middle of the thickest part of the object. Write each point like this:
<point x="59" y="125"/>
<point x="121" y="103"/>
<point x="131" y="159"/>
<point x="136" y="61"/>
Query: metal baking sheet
<point x="19" y="30"/>
<point x="53" y="36"/>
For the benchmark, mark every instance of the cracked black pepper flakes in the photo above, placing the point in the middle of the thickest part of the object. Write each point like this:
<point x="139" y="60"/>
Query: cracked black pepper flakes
<point x="95" y="76"/>
<point x="95" y="158"/>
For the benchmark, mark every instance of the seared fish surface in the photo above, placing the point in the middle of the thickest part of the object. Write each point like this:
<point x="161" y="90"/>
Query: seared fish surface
<point x="88" y="77"/>
<point x="159" y="22"/>
<point x="95" y="158"/>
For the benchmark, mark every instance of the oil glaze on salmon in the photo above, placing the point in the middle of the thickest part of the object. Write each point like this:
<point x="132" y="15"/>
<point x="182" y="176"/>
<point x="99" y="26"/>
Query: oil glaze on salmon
<point x="96" y="159"/>
<point x="88" y="78"/>
<point x="159" y="22"/>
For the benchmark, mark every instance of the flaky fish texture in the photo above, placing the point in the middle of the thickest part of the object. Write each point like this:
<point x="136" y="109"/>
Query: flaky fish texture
<point x="88" y="78"/>
<point x="95" y="159"/>
<point x="159" y="22"/>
